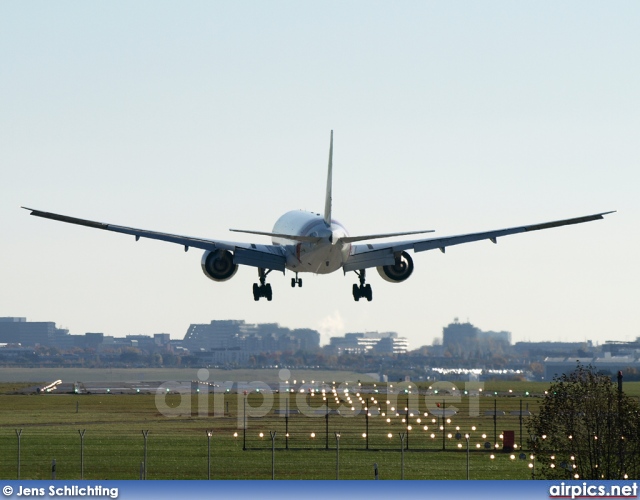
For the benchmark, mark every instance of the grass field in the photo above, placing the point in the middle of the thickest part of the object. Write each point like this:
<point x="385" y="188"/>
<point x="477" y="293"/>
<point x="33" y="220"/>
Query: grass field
<point x="113" y="443"/>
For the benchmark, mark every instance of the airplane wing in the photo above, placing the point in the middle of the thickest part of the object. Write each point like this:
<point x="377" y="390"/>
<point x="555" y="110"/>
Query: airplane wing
<point x="250" y="254"/>
<point x="383" y="254"/>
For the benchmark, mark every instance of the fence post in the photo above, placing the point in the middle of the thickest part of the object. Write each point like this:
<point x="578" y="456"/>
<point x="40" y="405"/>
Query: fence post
<point x="337" y="454"/>
<point x="81" y="432"/>
<point x="18" y="433"/>
<point x="273" y="453"/>
<point x="402" y="436"/>
<point x="209" y="434"/>
<point x="375" y="471"/>
<point x="145" y="434"/>
<point x="53" y="469"/>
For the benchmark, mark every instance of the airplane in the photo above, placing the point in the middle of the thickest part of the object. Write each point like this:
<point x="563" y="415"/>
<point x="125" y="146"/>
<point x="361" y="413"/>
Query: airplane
<point x="307" y="242"/>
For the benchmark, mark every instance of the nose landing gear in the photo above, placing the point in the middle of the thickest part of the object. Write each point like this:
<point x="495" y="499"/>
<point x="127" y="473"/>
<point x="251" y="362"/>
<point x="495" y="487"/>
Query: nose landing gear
<point x="363" y="290"/>
<point x="296" y="281"/>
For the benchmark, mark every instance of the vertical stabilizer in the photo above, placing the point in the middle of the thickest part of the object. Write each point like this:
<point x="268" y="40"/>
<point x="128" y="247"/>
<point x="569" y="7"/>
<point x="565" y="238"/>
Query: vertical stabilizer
<point x="327" y="199"/>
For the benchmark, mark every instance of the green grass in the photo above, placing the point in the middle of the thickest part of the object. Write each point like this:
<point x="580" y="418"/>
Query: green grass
<point x="177" y="447"/>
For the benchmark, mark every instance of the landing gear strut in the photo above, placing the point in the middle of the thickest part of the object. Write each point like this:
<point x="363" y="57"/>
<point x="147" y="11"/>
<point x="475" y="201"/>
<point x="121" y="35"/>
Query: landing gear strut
<point x="263" y="289"/>
<point x="296" y="281"/>
<point x="362" y="290"/>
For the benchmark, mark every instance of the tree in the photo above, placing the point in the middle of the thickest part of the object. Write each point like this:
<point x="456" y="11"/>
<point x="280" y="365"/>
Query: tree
<point x="586" y="429"/>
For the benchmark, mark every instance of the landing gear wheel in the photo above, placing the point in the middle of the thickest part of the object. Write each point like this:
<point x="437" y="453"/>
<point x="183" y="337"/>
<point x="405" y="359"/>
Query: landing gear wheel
<point x="293" y="282"/>
<point x="300" y="282"/>
<point x="363" y="290"/>
<point x="263" y="289"/>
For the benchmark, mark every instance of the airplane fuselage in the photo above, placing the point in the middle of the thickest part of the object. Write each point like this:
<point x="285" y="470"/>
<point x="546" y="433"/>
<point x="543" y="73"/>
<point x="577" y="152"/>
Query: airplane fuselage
<point x="322" y="257"/>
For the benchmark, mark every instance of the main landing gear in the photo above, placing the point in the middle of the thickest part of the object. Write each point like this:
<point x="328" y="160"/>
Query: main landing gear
<point x="296" y="281"/>
<point x="263" y="289"/>
<point x="362" y="291"/>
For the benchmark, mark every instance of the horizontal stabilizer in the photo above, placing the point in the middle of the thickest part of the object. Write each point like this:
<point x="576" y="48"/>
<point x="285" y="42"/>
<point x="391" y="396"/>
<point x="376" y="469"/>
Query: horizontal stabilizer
<point x="351" y="239"/>
<point x="310" y="239"/>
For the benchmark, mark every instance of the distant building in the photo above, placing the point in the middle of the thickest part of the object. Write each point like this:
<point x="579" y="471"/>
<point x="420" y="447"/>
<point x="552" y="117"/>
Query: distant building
<point x="369" y="343"/>
<point x="462" y="333"/>
<point x="249" y="338"/>
<point x="30" y="333"/>
<point x="557" y="366"/>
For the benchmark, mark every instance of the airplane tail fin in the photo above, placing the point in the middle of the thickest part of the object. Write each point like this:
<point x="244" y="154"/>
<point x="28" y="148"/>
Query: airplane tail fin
<point x="327" y="199"/>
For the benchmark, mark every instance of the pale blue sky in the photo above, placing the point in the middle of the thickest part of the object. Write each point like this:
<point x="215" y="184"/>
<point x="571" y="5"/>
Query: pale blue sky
<point x="195" y="117"/>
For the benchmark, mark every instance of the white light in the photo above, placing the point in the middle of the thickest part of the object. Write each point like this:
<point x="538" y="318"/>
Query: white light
<point x="261" y="434"/>
<point x="313" y="434"/>
<point x="364" y="434"/>
<point x="389" y="435"/>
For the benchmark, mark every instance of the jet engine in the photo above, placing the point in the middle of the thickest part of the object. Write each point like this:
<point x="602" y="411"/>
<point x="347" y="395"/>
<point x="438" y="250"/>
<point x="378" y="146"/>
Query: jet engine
<point x="399" y="271"/>
<point x="218" y="265"/>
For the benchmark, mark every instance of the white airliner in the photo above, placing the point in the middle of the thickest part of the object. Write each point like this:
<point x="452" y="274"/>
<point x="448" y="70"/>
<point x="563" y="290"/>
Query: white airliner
<point x="306" y="242"/>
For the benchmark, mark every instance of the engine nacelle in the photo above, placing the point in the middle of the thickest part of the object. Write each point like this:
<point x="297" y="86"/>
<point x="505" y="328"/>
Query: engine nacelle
<point x="218" y="265"/>
<point x="398" y="272"/>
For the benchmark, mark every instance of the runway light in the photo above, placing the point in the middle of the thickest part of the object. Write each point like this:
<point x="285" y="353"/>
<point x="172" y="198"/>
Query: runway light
<point x="313" y="434"/>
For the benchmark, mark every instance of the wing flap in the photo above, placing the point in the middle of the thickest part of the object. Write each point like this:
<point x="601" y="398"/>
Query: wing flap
<point x="364" y="260"/>
<point x="257" y="258"/>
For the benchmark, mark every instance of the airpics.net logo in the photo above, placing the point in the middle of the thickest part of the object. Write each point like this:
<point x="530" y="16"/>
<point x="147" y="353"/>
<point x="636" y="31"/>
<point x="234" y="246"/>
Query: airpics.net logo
<point x="586" y="490"/>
